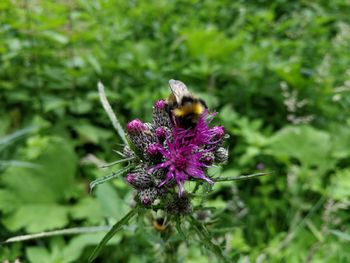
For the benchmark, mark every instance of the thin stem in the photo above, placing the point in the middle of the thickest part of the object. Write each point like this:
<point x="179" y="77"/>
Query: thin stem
<point x="239" y="178"/>
<point x="110" y="113"/>
<point x="67" y="231"/>
<point x="116" y="162"/>
<point x="108" y="177"/>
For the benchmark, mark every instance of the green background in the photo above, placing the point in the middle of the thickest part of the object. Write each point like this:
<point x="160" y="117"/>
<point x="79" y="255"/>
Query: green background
<point x="278" y="73"/>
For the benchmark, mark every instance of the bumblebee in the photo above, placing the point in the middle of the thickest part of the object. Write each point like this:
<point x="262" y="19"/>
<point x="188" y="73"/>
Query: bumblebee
<point x="183" y="108"/>
<point x="160" y="224"/>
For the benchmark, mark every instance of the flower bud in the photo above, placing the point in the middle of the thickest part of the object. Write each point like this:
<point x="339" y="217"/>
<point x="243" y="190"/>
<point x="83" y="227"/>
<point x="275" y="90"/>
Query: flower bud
<point x="179" y="205"/>
<point x="207" y="158"/>
<point x="127" y="152"/>
<point x="135" y="127"/>
<point x="153" y="149"/>
<point x="221" y="155"/>
<point x="140" y="134"/>
<point x="160" y="105"/>
<point x="147" y="196"/>
<point x="140" y="178"/>
<point x="161" y="133"/>
<point x="160" y="115"/>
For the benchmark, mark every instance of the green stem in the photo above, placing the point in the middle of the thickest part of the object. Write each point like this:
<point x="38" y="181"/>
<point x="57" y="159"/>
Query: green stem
<point x="239" y="178"/>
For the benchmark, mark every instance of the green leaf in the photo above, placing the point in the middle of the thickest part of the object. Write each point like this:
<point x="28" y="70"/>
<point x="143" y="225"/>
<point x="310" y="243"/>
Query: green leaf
<point x="125" y="220"/>
<point x="111" y="204"/>
<point x="30" y="196"/>
<point x="37" y="217"/>
<point x="92" y="133"/>
<point x="38" y="255"/>
<point x="211" y="43"/>
<point x="82" y="210"/>
<point x="339" y="188"/>
<point x="70" y="252"/>
<point x="94" y="63"/>
<point x="55" y="36"/>
<point x="76" y="246"/>
<point x="310" y="146"/>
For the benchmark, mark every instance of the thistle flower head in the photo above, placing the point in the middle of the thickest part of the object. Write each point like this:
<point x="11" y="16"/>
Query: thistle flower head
<point x="173" y="155"/>
<point x="181" y="162"/>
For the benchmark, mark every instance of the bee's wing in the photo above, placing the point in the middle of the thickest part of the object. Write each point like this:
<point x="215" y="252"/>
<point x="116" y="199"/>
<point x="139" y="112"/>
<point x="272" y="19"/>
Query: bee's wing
<point x="179" y="90"/>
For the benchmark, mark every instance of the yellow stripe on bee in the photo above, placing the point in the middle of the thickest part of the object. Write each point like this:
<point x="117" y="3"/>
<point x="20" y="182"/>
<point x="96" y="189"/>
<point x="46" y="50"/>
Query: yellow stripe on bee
<point x="195" y="108"/>
<point x="158" y="226"/>
<point x="198" y="108"/>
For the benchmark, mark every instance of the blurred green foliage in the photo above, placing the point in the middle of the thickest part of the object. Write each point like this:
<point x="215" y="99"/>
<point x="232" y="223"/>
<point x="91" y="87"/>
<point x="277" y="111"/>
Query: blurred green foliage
<point x="278" y="73"/>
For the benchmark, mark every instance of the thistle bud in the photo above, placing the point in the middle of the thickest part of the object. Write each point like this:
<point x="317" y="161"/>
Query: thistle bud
<point x="221" y="155"/>
<point x="179" y="205"/>
<point x="153" y="149"/>
<point x="160" y="115"/>
<point x="207" y="158"/>
<point x="135" y="127"/>
<point x="147" y="196"/>
<point x="161" y="133"/>
<point x="127" y="152"/>
<point x="140" y="178"/>
<point x="140" y="134"/>
<point x="160" y="105"/>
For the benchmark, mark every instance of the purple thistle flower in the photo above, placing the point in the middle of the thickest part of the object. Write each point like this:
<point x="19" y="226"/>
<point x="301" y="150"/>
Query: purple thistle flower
<point x="218" y="132"/>
<point x="201" y="134"/>
<point x="183" y="157"/>
<point x="170" y="154"/>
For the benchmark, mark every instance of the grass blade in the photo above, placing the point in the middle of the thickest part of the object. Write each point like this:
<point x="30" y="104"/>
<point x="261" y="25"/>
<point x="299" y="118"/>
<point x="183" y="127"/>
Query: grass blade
<point x="110" y="113"/>
<point x="112" y="232"/>
<point x="106" y="178"/>
<point x="19" y="164"/>
<point x="179" y="229"/>
<point x="12" y="137"/>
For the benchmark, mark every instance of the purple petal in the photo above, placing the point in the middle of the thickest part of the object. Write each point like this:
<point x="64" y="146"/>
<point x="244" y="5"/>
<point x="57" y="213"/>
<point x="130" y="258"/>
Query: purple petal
<point x="168" y="177"/>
